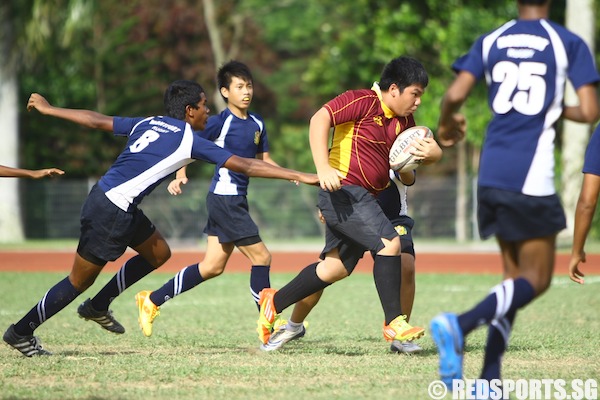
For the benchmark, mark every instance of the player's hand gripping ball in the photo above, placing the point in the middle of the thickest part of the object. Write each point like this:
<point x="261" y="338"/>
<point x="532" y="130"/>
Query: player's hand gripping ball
<point x="400" y="157"/>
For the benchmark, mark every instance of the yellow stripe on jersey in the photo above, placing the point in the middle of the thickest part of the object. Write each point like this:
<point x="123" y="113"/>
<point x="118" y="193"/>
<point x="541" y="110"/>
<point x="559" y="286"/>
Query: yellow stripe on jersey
<point x="341" y="149"/>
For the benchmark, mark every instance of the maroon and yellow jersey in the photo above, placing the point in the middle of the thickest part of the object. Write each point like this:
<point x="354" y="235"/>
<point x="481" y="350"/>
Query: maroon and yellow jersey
<point x="363" y="132"/>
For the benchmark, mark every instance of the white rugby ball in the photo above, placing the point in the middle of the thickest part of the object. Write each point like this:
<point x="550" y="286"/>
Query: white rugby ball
<point x="400" y="157"/>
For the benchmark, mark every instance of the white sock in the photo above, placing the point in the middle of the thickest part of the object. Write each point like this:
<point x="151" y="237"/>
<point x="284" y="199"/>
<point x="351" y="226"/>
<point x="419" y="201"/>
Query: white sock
<point x="294" y="326"/>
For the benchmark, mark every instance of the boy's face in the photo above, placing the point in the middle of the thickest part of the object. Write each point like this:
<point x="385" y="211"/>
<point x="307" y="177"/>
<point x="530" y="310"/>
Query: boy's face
<point x="406" y="102"/>
<point x="238" y="95"/>
<point x="197" y="117"/>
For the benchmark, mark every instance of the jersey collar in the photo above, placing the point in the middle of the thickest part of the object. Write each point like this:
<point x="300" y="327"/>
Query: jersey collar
<point x="386" y="110"/>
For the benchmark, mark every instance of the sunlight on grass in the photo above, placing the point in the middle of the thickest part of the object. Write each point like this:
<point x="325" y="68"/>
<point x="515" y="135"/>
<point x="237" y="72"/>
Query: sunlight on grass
<point x="204" y="344"/>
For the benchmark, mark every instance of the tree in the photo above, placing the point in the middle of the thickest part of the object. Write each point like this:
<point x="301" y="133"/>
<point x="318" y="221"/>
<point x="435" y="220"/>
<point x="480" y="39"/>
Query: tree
<point x="10" y="223"/>
<point x="579" y="19"/>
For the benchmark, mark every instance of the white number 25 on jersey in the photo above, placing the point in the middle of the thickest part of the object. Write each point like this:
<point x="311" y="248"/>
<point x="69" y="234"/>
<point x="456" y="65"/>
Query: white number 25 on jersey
<point x="143" y="141"/>
<point x="526" y="81"/>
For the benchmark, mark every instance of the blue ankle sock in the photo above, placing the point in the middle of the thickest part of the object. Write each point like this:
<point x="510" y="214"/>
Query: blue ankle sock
<point x="55" y="299"/>
<point x="184" y="280"/>
<point x="259" y="280"/>
<point x="132" y="271"/>
<point x="508" y="296"/>
<point x="497" y="342"/>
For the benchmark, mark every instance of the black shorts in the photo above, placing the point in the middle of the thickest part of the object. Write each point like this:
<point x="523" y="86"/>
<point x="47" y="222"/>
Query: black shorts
<point x="107" y="231"/>
<point x="230" y="220"/>
<point x="515" y="217"/>
<point x="354" y="222"/>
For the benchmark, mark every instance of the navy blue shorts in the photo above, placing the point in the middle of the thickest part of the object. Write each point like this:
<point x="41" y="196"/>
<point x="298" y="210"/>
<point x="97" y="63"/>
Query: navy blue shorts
<point x="107" y="231"/>
<point x="354" y="222"/>
<point x="403" y="225"/>
<point x="515" y="217"/>
<point x="230" y="220"/>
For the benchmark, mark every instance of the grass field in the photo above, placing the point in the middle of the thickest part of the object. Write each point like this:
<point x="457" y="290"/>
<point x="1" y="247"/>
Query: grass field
<point x="204" y="345"/>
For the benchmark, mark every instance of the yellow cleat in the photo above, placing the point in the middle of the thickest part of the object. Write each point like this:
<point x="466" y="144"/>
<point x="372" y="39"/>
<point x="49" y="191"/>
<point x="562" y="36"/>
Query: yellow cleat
<point x="400" y="330"/>
<point x="268" y="315"/>
<point x="147" y="311"/>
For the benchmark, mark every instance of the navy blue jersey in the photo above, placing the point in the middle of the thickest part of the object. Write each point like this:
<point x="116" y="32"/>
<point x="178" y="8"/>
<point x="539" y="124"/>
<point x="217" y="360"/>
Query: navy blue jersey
<point x="156" y="147"/>
<point x="591" y="164"/>
<point x="242" y="137"/>
<point x="525" y="64"/>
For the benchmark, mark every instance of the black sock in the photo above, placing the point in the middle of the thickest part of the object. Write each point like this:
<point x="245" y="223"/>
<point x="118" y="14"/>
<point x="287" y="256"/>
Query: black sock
<point x="303" y="285"/>
<point x="387" y="274"/>
<point x="132" y="271"/>
<point x="55" y="299"/>
<point x="259" y="280"/>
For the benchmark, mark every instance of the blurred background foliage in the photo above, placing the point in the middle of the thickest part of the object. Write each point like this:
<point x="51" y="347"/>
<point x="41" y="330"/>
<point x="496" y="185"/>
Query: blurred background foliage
<point x="117" y="57"/>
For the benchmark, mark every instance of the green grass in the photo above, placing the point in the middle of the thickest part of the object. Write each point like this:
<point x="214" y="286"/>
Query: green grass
<point x="204" y="345"/>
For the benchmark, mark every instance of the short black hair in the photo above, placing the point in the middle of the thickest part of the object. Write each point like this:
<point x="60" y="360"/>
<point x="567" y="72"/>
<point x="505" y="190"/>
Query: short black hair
<point x="403" y="71"/>
<point x="533" y="2"/>
<point x="181" y="94"/>
<point x="232" y="69"/>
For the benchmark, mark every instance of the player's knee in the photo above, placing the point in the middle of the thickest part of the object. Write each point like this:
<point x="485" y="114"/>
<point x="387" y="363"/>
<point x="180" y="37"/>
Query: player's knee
<point x="541" y="286"/>
<point x="161" y="257"/>
<point x="209" y="271"/>
<point x="263" y="259"/>
<point x="391" y="247"/>
<point x="82" y="283"/>
<point x="331" y="272"/>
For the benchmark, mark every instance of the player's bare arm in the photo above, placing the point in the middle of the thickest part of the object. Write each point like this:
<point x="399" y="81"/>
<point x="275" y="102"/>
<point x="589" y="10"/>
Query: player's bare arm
<point x="87" y="118"/>
<point x="9" y="172"/>
<point x="46" y="172"/>
<point x="584" y="215"/>
<point x="320" y="124"/>
<point x="452" y="125"/>
<point x="587" y="111"/>
<point x="259" y="168"/>
<point x="267" y="158"/>
<point x="407" y="178"/>
<point x="180" y="179"/>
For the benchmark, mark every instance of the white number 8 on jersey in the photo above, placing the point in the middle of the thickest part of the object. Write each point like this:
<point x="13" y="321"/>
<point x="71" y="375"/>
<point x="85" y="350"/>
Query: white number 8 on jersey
<point x="143" y="141"/>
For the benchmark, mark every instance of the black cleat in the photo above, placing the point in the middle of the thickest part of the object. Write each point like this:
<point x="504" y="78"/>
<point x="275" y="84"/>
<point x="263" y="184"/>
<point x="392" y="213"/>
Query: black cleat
<point x="28" y="345"/>
<point x="104" y="318"/>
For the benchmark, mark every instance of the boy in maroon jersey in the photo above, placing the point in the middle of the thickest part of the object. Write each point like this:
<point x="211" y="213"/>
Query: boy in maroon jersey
<point x="351" y="173"/>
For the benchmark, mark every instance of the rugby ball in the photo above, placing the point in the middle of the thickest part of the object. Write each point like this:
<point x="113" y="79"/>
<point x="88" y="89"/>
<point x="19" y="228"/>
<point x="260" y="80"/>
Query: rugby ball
<point x="400" y="158"/>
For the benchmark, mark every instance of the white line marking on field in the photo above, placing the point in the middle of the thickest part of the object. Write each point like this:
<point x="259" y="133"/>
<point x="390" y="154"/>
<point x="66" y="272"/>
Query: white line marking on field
<point x="565" y="280"/>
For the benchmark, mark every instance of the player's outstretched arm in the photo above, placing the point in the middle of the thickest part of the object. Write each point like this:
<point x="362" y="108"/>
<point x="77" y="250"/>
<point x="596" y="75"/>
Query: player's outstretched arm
<point x="587" y="111"/>
<point x="318" y="134"/>
<point x="584" y="214"/>
<point x="180" y="179"/>
<point x="29" y="173"/>
<point x="452" y="125"/>
<point x="87" y="118"/>
<point x="261" y="169"/>
<point x="267" y="158"/>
